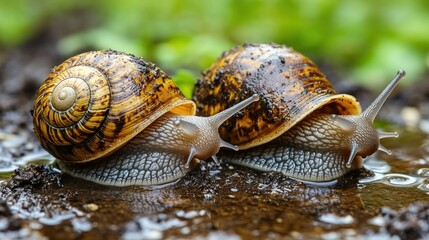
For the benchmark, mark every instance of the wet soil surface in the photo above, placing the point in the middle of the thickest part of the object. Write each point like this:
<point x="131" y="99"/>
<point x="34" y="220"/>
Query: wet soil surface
<point x="390" y="199"/>
<point x="211" y="202"/>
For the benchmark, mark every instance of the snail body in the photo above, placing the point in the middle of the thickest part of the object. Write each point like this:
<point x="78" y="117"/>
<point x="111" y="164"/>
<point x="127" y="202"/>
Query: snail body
<point x="300" y="126"/>
<point x="116" y="119"/>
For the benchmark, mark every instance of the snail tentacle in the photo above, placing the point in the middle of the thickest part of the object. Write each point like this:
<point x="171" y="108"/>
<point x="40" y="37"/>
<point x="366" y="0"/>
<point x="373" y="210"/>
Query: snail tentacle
<point x="353" y="152"/>
<point x="221" y="117"/>
<point x="372" y="110"/>
<point x="229" y="145"/>
<point x="192" y="153"/>
<point x="382" y="134"/>
<point x="214" y="157"/>
<point x="384" y="149"/>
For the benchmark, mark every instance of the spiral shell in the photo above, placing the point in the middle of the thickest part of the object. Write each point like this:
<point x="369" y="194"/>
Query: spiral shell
<point x="290" y="86"/>
<point x="95" y="102"/>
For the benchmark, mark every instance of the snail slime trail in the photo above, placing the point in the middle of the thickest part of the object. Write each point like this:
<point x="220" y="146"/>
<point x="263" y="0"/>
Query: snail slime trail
<point x="301" y="126"/>
<point x="117" y="119"/>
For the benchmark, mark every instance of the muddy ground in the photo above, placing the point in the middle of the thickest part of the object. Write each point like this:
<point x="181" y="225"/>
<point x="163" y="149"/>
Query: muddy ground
<point x="211" y="202"/>
<point x="389" y="199"/>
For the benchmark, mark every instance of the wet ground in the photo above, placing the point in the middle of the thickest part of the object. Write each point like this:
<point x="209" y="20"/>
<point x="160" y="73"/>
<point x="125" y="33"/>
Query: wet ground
<point x="221" y="202"/>
<point x="388" y="200"/>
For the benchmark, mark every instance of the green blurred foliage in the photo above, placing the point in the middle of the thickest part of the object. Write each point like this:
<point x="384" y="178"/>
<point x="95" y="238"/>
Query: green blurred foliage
<point x="367" y="41"/>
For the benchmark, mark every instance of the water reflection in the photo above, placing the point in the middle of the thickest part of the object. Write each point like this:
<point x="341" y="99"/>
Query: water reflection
<point x="423" y="172"/>
<point x="382" y="174"/>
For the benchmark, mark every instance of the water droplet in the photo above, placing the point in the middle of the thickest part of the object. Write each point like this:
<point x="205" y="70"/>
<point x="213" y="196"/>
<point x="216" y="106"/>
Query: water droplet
<point x="376" y="165"/>
<point x="81" y="224"/>
<point x="396" y="179"/>
<point x="377" y="221"/>
<point x="424" y="186"/>
<point x="185" y="230"/>
<point x="187" y="215"/>
<point x="214" y="172"/>
<point x="335" y="219"/>
<point x="424" y="172"/>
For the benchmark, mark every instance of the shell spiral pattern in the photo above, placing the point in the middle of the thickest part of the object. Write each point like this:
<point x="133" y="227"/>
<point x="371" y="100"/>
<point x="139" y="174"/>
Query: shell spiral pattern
<point x="74" y="105"/>
<point x="93" y="103"/>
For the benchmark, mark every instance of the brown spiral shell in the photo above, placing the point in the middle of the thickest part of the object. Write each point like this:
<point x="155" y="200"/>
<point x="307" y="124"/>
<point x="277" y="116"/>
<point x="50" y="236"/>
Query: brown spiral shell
<point x="95" y="102"/>
<point x="289" y="84"/>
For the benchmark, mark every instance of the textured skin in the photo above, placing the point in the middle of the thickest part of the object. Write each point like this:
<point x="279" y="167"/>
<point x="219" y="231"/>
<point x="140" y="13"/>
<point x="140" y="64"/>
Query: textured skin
<point x="137" y="163"/>
<point x="125" y="168"/>
<point x="289" y="84"/>
<point x="155" y="156"/>
<point x="316" y="149"/>
<point x="118" y="95"/>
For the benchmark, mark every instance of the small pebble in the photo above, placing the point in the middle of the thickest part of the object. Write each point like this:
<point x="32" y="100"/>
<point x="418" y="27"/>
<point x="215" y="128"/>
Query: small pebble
<point x="90" y="207"/>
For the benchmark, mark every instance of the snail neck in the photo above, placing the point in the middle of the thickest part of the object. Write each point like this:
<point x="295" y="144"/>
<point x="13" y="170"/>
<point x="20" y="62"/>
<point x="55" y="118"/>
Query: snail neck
<point x="364" y="139"/>
<point x="332" y="135"/>
<point x="352" y="135"/>
<point x="190" y="136"/>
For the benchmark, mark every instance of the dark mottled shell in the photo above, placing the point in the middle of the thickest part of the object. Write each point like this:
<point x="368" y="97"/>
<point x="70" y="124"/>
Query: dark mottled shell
<point x="289" y="84"/>
<point x="112" y="96"/>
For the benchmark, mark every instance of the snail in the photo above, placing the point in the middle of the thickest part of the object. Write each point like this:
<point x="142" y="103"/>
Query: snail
<point x="300" y="126"/>
<point x="116" y="119"/>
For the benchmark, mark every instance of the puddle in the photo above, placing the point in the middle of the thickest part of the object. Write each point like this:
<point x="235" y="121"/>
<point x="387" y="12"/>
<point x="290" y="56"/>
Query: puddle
<point x="226" y="202"/>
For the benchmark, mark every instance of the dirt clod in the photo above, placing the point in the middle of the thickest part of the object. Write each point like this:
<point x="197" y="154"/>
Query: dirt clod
<point x="35" y="176"/>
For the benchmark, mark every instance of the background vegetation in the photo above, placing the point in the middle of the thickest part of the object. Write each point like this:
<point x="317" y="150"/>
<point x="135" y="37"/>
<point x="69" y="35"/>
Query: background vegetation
<point x="366" y="41"/>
